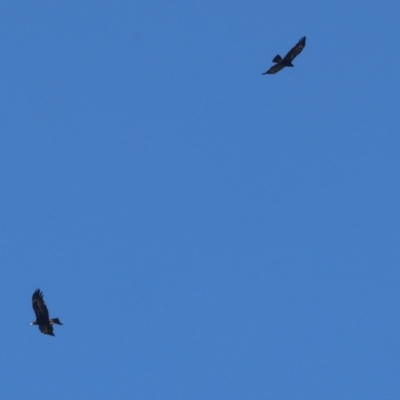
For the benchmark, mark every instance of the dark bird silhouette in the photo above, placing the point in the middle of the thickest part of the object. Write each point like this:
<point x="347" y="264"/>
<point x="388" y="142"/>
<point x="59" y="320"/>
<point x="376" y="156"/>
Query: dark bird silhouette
<point x="42" y="314"/>
<point x="287" y="60"/>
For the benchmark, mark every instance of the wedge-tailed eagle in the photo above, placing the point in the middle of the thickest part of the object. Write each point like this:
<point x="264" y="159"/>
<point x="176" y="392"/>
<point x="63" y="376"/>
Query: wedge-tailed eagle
<point x="287" y="60"/>
<point x="42" y="314"/>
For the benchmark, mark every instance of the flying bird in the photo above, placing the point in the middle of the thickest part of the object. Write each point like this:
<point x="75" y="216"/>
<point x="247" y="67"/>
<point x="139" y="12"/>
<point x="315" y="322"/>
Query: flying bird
<point x="287" y="60"/>
<point x="42" y="314"/>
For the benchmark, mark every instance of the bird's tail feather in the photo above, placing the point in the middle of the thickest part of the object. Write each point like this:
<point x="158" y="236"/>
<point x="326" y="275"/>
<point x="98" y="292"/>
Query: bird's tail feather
<point x="55" y="321"/>
<point x="277" y="59"/>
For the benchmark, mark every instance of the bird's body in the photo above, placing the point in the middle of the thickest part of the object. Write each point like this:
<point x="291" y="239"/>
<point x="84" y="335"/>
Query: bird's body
<point x="42" y="314"/>
<point x="287" y="60"/>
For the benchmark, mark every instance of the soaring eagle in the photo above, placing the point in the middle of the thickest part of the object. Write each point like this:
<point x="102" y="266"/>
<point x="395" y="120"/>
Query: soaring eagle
<point x="42" y="314"/>
<point x="287" y="60"/>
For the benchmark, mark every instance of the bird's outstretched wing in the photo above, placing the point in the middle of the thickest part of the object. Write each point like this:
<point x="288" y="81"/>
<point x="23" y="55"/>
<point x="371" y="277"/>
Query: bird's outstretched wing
<point x="39" y="306"/>
<point x="274" y="69"/>
<point x="47" y="329"/>
<point x="295" y="51"/>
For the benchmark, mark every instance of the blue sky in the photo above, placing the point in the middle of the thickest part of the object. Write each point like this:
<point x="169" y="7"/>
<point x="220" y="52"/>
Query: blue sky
<point x="202" y="231"/>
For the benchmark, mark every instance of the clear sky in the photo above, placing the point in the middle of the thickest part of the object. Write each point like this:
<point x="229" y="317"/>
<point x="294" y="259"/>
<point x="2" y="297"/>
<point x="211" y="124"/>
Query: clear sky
<point x="202" y="231"/>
